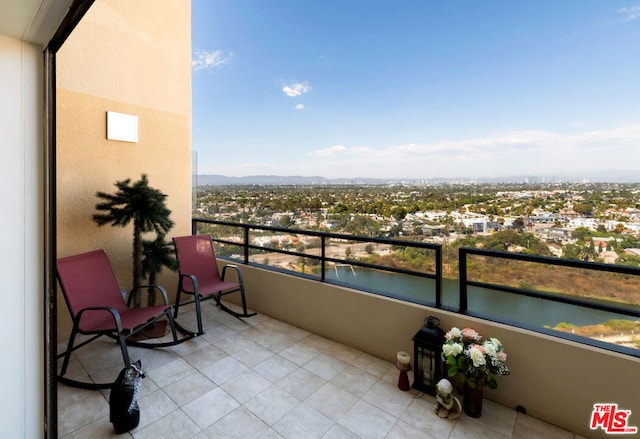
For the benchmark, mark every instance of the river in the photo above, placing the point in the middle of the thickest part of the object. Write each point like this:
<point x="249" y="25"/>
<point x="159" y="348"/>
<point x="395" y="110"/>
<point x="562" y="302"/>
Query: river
<point x="503" y="306"/>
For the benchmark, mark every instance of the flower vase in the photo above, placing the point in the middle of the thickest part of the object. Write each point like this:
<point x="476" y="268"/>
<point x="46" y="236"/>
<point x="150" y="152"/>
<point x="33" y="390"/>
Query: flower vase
<point x="472" y="398"/>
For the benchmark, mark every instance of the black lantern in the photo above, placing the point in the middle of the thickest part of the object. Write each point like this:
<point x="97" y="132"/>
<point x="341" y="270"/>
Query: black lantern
<point x="427" y="357"/>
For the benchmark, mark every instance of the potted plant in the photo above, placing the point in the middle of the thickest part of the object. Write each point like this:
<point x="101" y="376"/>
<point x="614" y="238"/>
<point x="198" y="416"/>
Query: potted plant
<point x="144" y="206"/>
<point x="476" y="360"/>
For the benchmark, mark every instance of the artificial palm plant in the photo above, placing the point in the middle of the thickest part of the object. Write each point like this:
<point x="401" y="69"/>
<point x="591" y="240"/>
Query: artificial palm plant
<point x="142" y="204"/>
<point x="157" y="254"/>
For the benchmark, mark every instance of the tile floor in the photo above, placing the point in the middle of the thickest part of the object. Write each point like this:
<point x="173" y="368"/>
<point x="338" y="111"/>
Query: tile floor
<point x="262" y="378"/>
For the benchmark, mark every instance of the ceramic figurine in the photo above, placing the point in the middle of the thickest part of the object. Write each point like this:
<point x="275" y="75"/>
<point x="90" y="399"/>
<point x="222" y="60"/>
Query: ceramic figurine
<point x="447" y="405"/>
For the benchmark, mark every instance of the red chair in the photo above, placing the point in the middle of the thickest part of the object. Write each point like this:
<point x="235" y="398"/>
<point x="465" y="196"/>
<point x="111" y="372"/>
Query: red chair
<point x="200" y="277"/>
<point x="97" y="308"/>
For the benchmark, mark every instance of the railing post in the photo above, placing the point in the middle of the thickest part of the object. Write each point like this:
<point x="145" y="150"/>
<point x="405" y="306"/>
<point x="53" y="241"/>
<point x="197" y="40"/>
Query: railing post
<point x="462" y="261"/>
<point x="194" y="226"/>
<point x="323" y="253"/>
<point x="439" y="277"/>
<point x="246" y="244"/>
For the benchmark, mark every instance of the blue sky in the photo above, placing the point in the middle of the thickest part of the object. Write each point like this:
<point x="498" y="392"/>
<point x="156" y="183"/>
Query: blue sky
<point x="415" y="89"/>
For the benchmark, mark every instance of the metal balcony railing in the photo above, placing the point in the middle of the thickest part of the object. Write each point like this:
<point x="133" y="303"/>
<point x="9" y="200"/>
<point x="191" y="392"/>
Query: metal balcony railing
<point x="318" y="255"/>
<point x="567" y="289"/>
<point x="537" y="293"/>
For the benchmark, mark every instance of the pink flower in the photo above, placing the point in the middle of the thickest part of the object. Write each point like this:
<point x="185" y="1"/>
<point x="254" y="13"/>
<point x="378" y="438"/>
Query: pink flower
<point x="454" y="333"/>
<point x="470" y="334"/>
<point x="501" y="356"/>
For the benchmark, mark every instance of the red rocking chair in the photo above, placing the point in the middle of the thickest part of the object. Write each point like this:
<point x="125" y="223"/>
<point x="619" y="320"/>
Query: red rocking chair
<point x="199" y="276"/>
<point x="97" y="308"/>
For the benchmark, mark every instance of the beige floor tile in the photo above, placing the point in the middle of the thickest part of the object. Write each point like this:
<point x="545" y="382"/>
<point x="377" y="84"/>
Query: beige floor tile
<point x="354" y="380"/>
<point x="233" y="343"/>
<point x="154" y="407"/>
<point x="343" y="352"/>
<point x="210" y="407"/>
<point x="389" y="398"/>
<point x="367" y="421"/>
<point x="191" y="345"/>
<point x="100" y="429"/>
<point x="170" y="372"/>
<point x="466" y="427"/>
<point x="246" y="385"/>
<point x="420" y="415"/>
<point x="318" y="342"/>
<point x="204" y="357"/>
<point x="224" y="370"/>
<point x="253" y="355"/>
<point x="497" y="418"/>
<point x="299" y="353"/>
<point x="275" y="368"/>
<point x="325" y="366"/>
<point x="84" y="412"/>
<point x="239" y="424"/>
<point x="402" y="430"/>
<point x="272" y="404"/>
<point x="301" y="383"/>
<point x="303" y="422"/>
<point x="531" y="428"/>
<point x="175" y="425"/>
<point x="337" y="431"/>
<point x="373" y="365"/>
<point x="189" y="388"/>
<point x="332" y="401"/>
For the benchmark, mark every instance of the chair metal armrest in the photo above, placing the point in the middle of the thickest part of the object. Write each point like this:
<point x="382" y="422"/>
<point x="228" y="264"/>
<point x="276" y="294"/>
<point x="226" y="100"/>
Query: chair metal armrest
<point x="114" y="313"/>
<point x="194" y="282"/>
<point x="150" y="287"/>
<point x="236" y="269"/>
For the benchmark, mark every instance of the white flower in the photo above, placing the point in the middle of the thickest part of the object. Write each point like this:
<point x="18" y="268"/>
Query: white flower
<point x="477" y="356"/>
<point x="455" y="332"/>
<point x="496" y="343"/>
<point x="447" y="349"/>
<point x="489" y="348"/>
<point x="452" y="349"/>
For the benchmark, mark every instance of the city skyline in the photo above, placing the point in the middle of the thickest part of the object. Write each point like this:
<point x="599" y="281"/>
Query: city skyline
<point x="415" y="90"/>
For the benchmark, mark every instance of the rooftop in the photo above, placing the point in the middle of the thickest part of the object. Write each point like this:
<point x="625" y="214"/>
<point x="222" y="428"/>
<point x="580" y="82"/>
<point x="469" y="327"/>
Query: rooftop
<point x="264" y="378"/>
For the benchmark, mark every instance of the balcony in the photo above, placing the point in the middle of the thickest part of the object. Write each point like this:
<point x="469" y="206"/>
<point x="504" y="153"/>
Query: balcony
<point x="317" y="339"/>
<point x="266" y="378"/>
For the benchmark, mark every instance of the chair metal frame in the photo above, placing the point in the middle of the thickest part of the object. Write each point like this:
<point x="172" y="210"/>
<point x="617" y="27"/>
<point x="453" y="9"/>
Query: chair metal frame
<point x="201" y="278"/>
<point x="93" y="298"/>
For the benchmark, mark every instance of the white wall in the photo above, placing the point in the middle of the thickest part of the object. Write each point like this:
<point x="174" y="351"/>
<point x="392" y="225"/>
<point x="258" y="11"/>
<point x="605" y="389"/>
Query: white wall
<point x="21" y="254"/>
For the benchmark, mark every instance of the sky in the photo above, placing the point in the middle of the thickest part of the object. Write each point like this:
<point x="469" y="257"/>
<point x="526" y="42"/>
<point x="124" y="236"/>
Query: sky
<point x="415" y="89"/>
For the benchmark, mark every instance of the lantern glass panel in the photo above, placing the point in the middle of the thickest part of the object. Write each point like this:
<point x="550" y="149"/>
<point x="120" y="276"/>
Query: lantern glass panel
<point x="428" y="367"/>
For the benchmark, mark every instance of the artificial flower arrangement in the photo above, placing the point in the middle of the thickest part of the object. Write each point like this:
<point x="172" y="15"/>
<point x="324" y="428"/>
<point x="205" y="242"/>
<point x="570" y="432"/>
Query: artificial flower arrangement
<point x="476" y="358"/>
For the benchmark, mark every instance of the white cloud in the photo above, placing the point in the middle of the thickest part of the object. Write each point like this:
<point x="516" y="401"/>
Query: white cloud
<point x="209" y="60"/>
<point x="332" y="151"/>
<point x="295" y="89"/>
<point x="502" y="153"/>
<point x="299" y="107"/>
<point x="630" y="14"/>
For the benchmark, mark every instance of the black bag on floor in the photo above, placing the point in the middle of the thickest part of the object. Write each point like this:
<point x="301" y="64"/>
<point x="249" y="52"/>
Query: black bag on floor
<point x="124" y="412"/>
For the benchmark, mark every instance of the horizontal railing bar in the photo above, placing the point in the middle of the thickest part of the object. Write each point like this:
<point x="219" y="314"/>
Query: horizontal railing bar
<point x="330" y="235"/>
<point x="548" y="260"/>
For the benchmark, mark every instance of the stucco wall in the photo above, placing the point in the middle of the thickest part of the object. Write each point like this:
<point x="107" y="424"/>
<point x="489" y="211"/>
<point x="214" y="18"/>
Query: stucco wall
<point x="132" y="58"/>
<point x="554" y="380"/>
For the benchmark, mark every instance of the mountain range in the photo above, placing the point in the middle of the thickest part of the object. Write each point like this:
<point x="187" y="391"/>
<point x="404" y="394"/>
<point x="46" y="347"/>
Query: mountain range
<point x="274" y="180"/>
